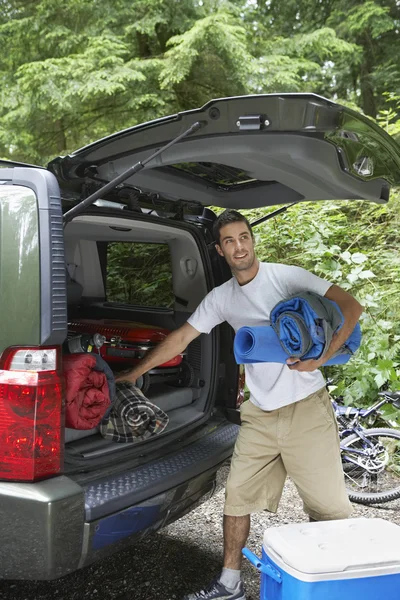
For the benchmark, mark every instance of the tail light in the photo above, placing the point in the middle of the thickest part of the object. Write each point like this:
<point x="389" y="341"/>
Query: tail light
<point x="31" y="413"/>
<point x="241" y="386"/>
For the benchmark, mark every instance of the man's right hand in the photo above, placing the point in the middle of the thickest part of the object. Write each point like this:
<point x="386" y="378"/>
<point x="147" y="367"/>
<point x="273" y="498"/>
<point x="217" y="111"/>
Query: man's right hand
<point x="174" y="344"/>
<point x="128" y="376"/>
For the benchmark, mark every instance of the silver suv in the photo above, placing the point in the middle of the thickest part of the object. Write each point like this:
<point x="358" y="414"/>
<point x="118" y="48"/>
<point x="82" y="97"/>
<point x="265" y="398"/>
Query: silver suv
<point x="73" y="237"/>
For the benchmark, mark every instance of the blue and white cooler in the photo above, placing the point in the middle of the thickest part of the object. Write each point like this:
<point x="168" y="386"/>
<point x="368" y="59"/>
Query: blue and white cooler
<point x="357" y="559"/>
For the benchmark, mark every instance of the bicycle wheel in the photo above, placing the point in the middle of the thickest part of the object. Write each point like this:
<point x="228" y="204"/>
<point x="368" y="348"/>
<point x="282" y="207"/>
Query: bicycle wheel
<point x="372" y="471"/>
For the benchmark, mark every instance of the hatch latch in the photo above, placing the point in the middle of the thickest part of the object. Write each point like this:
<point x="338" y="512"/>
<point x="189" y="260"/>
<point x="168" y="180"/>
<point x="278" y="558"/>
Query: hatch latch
<point x="252" y="122"/>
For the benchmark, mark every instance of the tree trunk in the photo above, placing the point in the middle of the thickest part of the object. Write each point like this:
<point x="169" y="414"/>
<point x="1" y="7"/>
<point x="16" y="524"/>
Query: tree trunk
<point x="367" y="93"/>
<point x="143" y="44"/>
<point x="61" y="140"/>
<point x="369" y="105"/>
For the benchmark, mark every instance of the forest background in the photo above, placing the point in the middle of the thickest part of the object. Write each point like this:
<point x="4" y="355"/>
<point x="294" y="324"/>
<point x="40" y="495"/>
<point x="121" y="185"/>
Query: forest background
<point x="74" y="71"/>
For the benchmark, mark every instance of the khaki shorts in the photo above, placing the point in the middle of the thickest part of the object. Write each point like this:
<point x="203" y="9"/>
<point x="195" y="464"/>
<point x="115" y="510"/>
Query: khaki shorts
<point x="300" y="440"/>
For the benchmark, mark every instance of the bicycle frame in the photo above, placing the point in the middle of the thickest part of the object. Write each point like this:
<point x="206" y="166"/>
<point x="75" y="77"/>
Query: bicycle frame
<point x="357" y="429"/>
<point x="366" y="455"/>
<point x="374" y="408"/>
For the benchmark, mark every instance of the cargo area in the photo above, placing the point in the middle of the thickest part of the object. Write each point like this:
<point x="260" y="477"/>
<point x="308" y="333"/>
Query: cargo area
<point x="139" y="271"/>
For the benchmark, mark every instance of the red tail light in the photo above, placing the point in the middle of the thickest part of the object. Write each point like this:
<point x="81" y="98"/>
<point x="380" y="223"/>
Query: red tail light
<point x="31" y="414"/>
<point x="241" y="385"/>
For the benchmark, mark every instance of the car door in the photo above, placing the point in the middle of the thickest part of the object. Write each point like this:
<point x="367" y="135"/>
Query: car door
<point x="247" y="152"/>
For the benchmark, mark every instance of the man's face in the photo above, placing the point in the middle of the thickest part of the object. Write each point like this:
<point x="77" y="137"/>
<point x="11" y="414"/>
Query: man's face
<point x="236" y="246"/>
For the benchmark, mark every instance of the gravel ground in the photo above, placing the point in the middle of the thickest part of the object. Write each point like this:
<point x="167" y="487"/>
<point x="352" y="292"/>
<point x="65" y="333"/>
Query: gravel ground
<point x="181" y="558"/>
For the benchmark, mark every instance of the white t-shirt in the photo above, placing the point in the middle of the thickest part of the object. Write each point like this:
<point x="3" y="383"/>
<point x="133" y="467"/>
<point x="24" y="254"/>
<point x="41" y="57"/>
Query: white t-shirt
<point x="271" y="385"/>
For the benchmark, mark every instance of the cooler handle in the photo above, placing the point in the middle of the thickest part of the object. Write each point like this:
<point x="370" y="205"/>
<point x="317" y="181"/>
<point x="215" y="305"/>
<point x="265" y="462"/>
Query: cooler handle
<point x="264" y="568"/>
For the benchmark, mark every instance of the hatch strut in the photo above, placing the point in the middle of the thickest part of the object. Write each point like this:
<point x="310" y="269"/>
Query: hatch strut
<point x="271" y="214"/>
<point x="262" y="219"/>
<point x="68" y="216"/>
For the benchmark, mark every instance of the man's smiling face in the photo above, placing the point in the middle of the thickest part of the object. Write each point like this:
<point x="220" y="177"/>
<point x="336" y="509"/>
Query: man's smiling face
<point x="236" y="245"/>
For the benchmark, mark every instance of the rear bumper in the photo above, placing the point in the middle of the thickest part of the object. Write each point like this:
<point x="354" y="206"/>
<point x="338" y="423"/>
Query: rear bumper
<point x="41" y="526"/>
<point x="54" y="527"/>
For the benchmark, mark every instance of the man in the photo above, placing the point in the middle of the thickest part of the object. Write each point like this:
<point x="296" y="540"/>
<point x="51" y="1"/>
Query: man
<point x="288" y="426"/>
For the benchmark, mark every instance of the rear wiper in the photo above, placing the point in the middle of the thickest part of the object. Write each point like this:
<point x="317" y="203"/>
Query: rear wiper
<point x="79" y="208"/>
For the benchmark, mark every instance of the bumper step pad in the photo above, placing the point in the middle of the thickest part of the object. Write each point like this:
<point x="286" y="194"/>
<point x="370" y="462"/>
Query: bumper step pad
<point x="116" y="493"/>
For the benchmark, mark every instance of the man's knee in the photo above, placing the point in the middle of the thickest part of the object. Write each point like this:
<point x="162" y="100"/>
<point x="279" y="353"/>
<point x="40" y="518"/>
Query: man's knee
<point x="326" y="514"/>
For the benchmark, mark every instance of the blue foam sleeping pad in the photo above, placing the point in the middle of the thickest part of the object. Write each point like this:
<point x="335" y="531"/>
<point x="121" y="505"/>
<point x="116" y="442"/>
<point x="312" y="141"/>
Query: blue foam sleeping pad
<point x="301" y="327"/>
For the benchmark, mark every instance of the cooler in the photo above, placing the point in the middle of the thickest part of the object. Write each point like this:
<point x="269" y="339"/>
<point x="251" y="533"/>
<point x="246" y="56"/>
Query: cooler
<point x="357" y="559"/>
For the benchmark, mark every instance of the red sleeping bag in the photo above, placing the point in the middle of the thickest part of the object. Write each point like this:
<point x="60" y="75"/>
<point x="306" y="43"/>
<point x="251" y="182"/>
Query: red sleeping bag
<point x="87" y="392"/>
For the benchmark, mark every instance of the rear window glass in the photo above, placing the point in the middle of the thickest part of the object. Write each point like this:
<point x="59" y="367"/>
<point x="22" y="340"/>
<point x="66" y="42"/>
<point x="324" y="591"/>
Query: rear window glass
<point x="139" y="274"/>
<point x="222" y="175"/>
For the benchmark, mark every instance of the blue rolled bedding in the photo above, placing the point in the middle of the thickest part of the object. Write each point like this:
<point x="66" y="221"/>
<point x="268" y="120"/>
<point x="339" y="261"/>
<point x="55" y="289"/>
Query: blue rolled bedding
<point x="302" y="327"/>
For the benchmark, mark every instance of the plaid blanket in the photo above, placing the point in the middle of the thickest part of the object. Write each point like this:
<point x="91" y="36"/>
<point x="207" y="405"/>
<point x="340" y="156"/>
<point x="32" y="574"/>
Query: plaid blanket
<point x="132" y="417"/>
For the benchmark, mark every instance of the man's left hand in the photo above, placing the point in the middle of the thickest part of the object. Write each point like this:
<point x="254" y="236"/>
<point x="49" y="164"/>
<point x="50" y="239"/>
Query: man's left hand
<point x="295" y="364"/>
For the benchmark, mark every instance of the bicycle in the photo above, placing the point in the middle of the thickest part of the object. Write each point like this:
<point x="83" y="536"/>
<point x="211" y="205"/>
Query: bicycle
<point x="369" y="456"/>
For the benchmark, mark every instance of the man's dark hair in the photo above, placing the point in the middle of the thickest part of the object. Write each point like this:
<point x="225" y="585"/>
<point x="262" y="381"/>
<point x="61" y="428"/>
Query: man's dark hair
<point x="226" y="218"/>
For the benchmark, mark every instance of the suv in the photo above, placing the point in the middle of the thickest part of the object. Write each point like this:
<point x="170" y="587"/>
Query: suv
<point x="69" y="497"/>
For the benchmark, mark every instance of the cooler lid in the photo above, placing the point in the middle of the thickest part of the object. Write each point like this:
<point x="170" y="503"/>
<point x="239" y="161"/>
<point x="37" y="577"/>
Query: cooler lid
<point x="335" y="546"/>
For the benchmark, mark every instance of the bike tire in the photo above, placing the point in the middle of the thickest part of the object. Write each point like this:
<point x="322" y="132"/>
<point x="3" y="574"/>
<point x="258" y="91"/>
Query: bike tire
<point x="368" y="497"/>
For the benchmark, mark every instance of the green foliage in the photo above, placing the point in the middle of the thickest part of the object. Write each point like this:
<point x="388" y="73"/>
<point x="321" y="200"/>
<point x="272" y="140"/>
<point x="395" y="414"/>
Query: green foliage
<point x="296" y="63"/>
<point x="362" y="18"/>
<point x="372" y="26"/>
<point x="388" y="118"/>
<point x="217" y="44"/>
<point x="360" y="75"/>
<point x="73" y="72"/>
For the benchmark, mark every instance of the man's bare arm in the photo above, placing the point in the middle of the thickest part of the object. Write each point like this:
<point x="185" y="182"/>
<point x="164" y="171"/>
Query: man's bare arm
<point x="351" y="310"/>
<point x="175" y="343"/>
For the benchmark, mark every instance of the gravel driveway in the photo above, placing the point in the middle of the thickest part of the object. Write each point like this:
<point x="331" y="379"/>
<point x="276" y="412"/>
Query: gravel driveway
<point x="179" y="559"/>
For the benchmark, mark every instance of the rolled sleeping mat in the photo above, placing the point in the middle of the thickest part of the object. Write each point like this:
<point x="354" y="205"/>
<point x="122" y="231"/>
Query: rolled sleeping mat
<point x="258" y="344"/>
<point x="301" y="327"/>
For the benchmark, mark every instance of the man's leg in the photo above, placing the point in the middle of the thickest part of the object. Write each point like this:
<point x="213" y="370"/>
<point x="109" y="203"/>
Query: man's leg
<point x="310" y="451"/>
<point x="236" y="532"/>
<point x="255" y="483"/>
